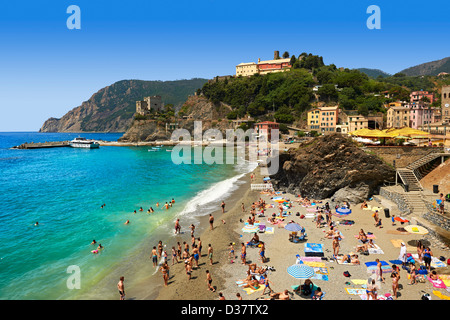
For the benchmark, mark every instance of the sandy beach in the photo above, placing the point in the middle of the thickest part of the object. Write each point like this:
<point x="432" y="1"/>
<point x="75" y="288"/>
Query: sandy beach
<point x="281" y="253"/>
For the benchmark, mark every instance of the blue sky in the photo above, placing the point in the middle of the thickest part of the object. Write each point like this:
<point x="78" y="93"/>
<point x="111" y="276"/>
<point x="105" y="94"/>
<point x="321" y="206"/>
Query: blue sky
<point x="47" y="69"/>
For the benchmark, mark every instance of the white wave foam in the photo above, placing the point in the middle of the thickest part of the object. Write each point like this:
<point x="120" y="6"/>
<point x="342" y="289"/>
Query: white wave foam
<point x="209" y="199"/>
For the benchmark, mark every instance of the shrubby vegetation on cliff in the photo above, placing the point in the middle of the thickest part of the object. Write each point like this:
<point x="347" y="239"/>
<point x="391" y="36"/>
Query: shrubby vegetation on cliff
<point x="286" y="95"/>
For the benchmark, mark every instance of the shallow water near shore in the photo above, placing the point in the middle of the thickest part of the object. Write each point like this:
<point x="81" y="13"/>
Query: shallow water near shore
<point x="63" y="189"/>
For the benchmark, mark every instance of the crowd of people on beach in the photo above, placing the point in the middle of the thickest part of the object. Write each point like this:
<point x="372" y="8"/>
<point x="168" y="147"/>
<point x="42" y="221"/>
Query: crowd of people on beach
<point x="258" y="273"/>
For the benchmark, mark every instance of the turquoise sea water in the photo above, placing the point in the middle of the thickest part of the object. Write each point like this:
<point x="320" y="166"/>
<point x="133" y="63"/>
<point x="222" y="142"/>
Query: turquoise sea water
<point x="63" y="189"/>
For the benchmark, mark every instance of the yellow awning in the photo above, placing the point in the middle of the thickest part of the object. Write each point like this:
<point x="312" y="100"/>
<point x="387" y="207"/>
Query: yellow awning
<point x="370" y="133"/>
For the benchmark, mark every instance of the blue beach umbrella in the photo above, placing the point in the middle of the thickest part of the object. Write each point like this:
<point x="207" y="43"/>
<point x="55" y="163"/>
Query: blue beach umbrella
<point x="294" y="227"/>
<point x="343" y="210"/>
<point x="266" y="179"/>
<point x="301" y="271"/>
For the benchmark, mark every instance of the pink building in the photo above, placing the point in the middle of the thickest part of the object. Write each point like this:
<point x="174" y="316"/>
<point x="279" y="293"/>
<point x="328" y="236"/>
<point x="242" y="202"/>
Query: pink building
<point x="417" y="96"/>
<point x="267" y="126"/>
<point x="420" y="114"/>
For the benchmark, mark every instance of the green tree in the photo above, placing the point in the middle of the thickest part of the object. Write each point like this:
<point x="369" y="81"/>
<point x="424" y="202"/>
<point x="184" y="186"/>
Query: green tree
<point x="286" y="55"/>
<point x="328" y="93"/>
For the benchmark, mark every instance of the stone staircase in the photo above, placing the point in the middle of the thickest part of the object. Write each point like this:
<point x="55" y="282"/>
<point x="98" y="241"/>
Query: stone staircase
<point x="409" y="178"/>
<point x="426" y="159"/>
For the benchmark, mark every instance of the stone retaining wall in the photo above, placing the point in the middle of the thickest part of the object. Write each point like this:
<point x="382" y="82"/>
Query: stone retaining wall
<point x="397" y="198"/>
<point x="436" y="218"/>
<point x="403" y="155"/>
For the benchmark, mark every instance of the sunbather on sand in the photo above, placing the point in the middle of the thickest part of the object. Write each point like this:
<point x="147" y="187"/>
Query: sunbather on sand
<point x="366" y="246"/>
<point x="280" y="295"/>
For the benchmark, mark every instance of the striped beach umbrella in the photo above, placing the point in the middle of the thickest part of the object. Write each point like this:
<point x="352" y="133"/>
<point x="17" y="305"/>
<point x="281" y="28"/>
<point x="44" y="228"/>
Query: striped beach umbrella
<point x="294" y="227"/>
<point x="301" y="271"/>
<point x="343" y="210"/>
<point x="250" y="228"/>
<point x="278" y="199"/>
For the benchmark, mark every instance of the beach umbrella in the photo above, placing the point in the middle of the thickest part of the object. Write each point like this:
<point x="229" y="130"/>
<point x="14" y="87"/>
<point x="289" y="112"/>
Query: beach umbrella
<point x="278" y="199"/>
<point x="266" y="179"/>
<point x="250" y="228"/>
<point x="416" y="229"/>
<point x="294" y="227"/>
<point x="343" y="210"/>
<point x="301" y="271"/>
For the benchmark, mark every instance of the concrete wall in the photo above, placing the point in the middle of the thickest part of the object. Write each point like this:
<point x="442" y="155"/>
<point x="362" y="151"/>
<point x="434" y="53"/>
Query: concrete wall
<point x="403" y="155"/>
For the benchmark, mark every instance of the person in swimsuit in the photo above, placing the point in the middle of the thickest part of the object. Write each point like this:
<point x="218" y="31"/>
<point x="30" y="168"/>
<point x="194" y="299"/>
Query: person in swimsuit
<point x="267" y="286"/>
<point x="379" y="271"/>
<point x="160" y="249"/>
<point x="427" y="258"/>
<point x="210" y="254"/>
<point x="231" y="253"/>
<point x="243" y="253"/>
<point x="395" y="277"/>
<point x="174" y="256"/>
<point x="199" y="246"/>
<point x="165" y="273"/>
<point x="223" y="207"/>
<point x="195" y="254"/>
<point x="211" y="221"/>
<point x="154" y="257"/>
<point x="413" y="274"/>
<point x="188" y="269"/>
<point x="121" y="288"/>
<point x="371" y="290"/>
<point x="209" y="281"/>
<point x="262" y="250"/>
<point x="177" y="227"/>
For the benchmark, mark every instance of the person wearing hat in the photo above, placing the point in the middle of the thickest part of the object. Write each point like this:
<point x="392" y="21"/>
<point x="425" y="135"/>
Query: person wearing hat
<point x="402" y="256"/>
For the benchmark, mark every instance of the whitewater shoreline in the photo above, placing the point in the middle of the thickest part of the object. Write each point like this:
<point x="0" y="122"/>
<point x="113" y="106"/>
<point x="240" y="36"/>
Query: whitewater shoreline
<point x="180" y="288"/>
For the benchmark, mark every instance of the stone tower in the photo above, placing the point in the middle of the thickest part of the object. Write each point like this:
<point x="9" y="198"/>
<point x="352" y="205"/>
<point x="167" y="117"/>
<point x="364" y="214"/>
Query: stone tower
<point x="276" y="55"/>
<point x="445" y="103"/>
<point x="154" y="103"/>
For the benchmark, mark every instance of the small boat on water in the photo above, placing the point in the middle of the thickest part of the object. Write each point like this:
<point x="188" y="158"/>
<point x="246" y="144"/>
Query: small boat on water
<point x="84" y="143"/>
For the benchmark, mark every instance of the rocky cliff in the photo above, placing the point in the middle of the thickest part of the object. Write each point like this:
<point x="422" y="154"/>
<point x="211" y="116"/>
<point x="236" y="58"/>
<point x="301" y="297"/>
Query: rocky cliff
<point x="111" y="109"/>
<point x="331" y="166"/>
<point x="196" y="108"/>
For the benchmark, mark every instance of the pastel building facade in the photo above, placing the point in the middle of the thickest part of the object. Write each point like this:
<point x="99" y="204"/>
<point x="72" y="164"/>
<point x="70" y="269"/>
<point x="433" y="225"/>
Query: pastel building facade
<point x="445" y="103"/>
<point x="247" y="69"/>
<point x="417" y="96"/>
<point x="420" y="114"/>
<point x="324" y="119"/>
<point x="267" y="127"/>
<point x="398" y="117"/>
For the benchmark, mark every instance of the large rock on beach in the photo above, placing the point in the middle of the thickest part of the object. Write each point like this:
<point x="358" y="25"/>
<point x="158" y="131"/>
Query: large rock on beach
<point x="331" y="166"/>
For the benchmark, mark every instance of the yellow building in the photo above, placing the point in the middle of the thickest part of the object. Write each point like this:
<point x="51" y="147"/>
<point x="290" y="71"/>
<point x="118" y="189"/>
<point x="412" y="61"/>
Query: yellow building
<point x="246" y="69"/>
<point x="397" y="117"/>
<point x="393" y="104"/>
<point x="356" y="122"/>
<point x="314" y="119"/>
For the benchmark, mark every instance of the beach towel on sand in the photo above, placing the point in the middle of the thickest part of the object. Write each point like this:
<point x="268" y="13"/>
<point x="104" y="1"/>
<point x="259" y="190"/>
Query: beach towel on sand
<point x="269" y="230"/>
<point x="437" y="283"/>
<point x="384" y="269"/>
<point x="397" y="243"/>
<point x="440" y="295"/>
<point x="355" y="291"/>
<point x="376" y="250"/>
<point x="250" y="290"/>
<point x="374" y="263"/>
